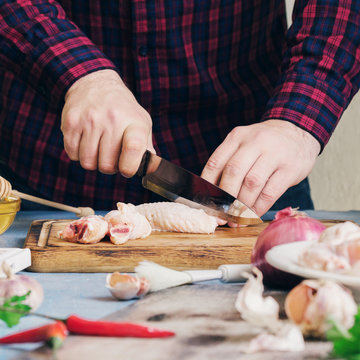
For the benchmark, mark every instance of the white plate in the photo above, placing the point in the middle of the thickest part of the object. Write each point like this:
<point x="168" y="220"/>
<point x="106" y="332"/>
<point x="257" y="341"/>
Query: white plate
<point x="285" y="257"/>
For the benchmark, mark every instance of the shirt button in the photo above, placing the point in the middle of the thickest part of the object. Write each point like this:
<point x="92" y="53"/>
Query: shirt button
<point x="143" y="51"/>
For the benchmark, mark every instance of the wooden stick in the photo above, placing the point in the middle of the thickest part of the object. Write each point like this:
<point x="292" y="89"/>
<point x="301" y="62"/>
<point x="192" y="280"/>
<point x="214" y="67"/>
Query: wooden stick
<point x="79" y="211"/>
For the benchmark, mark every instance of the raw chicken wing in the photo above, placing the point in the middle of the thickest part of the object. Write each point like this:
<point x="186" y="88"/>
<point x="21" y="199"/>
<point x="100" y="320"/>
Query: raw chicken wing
<point x="170" y="216"/>
<point x="338" y="249"/>
<point x="126" y="223"/>
<point x="87" y="230"/>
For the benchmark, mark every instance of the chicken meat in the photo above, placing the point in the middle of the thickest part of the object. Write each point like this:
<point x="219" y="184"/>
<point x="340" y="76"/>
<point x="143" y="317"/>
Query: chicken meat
<point x="170" y="216"/>
<point x="126" y="223"/>
<point x="87" y="230"/>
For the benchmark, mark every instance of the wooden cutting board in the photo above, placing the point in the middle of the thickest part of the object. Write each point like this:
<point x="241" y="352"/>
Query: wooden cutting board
<point x="175" y="250"/>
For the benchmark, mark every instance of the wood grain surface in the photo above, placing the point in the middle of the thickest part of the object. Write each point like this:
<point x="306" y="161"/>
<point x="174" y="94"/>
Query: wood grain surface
<point x="176" y="250"/>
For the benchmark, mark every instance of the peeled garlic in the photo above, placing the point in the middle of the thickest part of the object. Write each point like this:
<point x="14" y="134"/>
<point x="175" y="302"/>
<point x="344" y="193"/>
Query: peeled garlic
<point x="20" y="285"/>
<point x="264" y="312"/>
<point x="125" y="286"/>
<point x="288" y="338"/>
<point x="312" y="303"/>
<point x="253" y="307"/>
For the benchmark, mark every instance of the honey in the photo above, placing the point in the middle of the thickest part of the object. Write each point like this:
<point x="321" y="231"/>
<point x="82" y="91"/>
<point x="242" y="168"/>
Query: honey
<point x="8" y="209"/>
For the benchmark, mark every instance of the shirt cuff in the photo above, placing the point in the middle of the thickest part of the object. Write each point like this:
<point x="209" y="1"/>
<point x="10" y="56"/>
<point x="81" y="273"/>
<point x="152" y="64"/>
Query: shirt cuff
<point x="308" y="103"/>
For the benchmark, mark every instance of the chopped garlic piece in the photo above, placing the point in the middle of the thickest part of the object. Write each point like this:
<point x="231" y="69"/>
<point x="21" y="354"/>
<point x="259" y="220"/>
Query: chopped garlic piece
<point x="253" y="307"/>
<point x="289" y="338"/>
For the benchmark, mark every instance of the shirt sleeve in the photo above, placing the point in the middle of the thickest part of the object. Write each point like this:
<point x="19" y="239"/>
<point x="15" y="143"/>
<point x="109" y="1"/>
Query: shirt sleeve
<point x="44" y="48"/>
<point x="321" y="67"/>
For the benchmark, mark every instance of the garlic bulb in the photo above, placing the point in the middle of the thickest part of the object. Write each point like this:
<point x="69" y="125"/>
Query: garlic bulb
<point x="312" y="303"/>
<point x="20" y="285"/>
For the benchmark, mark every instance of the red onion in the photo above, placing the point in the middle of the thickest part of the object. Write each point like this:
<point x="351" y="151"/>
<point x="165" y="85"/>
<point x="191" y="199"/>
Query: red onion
<point x="288" y="226"/>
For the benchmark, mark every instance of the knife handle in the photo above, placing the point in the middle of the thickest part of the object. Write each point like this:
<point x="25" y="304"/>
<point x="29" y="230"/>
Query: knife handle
<point x="144" y="164"/>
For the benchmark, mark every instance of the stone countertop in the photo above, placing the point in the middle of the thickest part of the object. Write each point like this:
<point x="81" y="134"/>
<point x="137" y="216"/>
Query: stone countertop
<point x="86" y="295"/>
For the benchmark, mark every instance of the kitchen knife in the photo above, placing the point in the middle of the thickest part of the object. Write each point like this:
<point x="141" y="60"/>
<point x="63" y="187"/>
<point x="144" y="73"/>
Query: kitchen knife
<point x="179" y="185"/>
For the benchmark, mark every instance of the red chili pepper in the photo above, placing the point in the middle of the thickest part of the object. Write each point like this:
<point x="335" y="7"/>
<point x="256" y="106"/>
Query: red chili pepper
<point x="53" y="334"/>
<point x="56" y="335"/>
<point x="78" y="325"/>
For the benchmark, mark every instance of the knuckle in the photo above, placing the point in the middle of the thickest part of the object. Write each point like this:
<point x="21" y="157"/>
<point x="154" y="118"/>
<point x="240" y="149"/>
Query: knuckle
<point x="232" y="170"/>
<point x="213" y="164"/>
<point x="107" y="168"/>
<point x="88" y="164"/>
<point x="252" y="181"/>
<point x="70" y="122"/>
<point x="92" y="121"/>
<point x="73" y="157"/>
<point x="235" y="133"/>
<point x="70" y="147"/>
<point x="133" y="145"/>
<point x="71" y="152"/>
<point x="113" y="115"/>
<point x="268" y="195"/>
<point x="126" y="171"/>
<point x="147" y="118"/>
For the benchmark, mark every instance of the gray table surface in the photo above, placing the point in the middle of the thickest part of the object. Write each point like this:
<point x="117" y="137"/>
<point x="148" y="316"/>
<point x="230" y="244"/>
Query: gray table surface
<point x="82" y="293"/>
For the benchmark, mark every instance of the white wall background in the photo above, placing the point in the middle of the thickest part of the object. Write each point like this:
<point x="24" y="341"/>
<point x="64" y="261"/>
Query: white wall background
<point x="335" y="179"/>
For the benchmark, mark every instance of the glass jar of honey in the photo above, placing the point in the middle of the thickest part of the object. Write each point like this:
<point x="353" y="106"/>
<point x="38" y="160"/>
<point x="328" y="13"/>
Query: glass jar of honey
<point x="8" y="209"/>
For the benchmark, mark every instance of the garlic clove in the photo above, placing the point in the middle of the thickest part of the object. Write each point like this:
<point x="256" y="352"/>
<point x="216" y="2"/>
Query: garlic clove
<point x="253" y="307"/>
<point x="125" y="286"/>
<point x="288" y="338"/>
<point x="322" y="300"/>
<point x="297" y="302"/>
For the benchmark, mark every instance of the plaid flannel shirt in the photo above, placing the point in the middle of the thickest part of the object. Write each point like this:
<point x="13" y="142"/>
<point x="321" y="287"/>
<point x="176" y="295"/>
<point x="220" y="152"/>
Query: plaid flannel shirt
<point x="199" y="67"/>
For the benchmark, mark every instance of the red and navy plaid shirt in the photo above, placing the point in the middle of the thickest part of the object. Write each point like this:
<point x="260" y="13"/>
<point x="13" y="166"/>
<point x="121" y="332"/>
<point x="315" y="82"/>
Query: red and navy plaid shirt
<point x="199" y="67"/>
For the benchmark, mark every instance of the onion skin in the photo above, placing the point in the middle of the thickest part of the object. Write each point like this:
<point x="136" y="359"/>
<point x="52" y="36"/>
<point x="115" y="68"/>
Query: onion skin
<point x="288" y="226"/>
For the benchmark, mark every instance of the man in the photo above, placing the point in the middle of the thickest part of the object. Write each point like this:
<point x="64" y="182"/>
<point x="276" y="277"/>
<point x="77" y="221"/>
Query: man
<point x="214" y="86"/>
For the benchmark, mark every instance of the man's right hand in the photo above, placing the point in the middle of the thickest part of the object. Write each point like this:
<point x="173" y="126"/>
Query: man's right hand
<point x="104" y="127"/>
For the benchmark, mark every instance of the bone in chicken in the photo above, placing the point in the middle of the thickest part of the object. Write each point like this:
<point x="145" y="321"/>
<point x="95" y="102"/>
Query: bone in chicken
<point x="87" y="230"/>
<point x="126" y="223"/>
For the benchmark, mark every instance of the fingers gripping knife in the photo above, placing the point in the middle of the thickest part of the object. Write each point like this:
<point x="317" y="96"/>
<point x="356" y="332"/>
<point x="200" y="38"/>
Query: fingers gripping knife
<point x="177" y="184"/>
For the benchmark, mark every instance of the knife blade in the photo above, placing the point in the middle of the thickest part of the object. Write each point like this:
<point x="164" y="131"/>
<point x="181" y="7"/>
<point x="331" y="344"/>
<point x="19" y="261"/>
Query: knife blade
<point x="180" y="185"/>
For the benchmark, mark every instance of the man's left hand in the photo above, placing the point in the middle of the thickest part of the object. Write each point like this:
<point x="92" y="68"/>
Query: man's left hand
<point x="258" y="163"/>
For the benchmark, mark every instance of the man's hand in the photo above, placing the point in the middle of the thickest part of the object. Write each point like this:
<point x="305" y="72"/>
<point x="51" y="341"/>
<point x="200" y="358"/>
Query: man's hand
<point x="104" y="127"/>
<point x="258" y="163"/>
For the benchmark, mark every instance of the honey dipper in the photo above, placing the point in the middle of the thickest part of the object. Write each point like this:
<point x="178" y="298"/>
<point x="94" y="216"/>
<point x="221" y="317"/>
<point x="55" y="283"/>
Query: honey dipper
<point x="6" y="191"/>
